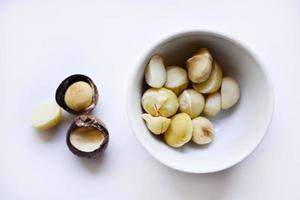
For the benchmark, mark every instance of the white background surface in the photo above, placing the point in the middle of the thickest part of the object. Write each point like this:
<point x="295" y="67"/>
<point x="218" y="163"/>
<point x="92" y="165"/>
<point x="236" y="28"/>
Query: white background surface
<point x="42" y="42"/>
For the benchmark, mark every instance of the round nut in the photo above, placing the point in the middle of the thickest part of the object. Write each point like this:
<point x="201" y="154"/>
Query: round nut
<point x="160" y="102"/>
<point x="230" y="92"/>
<point x="45" y="116"/>
<point x="199" y="66"/>
<point x="213" y="83"/>
<point x="177" y="79"/>
<point x="179" y="131"/>
<point x="79" y="96"/>
<point x="191" y="102"/>
<point x="212" y="104"/>
<point x="203" y="130"/>
<point x="155" y="73"/>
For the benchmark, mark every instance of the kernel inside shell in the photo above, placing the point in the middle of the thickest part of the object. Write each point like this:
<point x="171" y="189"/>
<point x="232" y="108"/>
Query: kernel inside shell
<point x="77" y="101"/>
<point x="79" y="96"/>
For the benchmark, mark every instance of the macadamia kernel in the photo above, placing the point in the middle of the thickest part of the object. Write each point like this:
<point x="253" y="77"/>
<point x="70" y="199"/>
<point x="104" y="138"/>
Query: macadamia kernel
<point x="79" y="96"/>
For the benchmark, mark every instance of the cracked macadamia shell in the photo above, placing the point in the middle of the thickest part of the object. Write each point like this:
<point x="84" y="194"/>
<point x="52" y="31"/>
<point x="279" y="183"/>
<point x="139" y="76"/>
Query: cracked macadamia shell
<point x="77" y="94"/>
<point x="87" y="137"/>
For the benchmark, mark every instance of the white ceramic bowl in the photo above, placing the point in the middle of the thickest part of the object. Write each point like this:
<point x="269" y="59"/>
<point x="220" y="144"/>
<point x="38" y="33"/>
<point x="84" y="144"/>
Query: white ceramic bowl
<point x="238" y="130"/>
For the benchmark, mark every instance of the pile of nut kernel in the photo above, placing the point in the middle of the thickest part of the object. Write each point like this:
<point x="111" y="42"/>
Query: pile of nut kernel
<point x="178" y="96"/>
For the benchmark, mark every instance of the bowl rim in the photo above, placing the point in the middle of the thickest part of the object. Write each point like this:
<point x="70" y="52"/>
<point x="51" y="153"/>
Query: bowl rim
<point x="187" y="33"/>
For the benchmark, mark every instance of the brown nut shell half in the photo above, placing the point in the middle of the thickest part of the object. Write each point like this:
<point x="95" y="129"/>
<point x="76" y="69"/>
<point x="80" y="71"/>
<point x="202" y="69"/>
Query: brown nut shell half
<point x="65" y="84"/>
<point x="87" y="137"/>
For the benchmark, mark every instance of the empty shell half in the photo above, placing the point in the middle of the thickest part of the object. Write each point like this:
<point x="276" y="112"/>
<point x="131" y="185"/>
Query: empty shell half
<point x="87" y="136"/>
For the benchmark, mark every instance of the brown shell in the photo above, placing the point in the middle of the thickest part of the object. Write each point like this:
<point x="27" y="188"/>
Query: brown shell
<point x="92" y="122"/>
<point x="62" y="88"/>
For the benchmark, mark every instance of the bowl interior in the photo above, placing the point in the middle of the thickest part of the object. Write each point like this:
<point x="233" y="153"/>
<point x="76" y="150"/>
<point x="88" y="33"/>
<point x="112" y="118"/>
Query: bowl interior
<point x="238" y="130"/>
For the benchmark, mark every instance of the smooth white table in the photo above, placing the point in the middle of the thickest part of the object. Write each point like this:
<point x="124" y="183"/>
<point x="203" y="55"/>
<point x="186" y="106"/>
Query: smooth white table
<point x="42" y="42"/>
